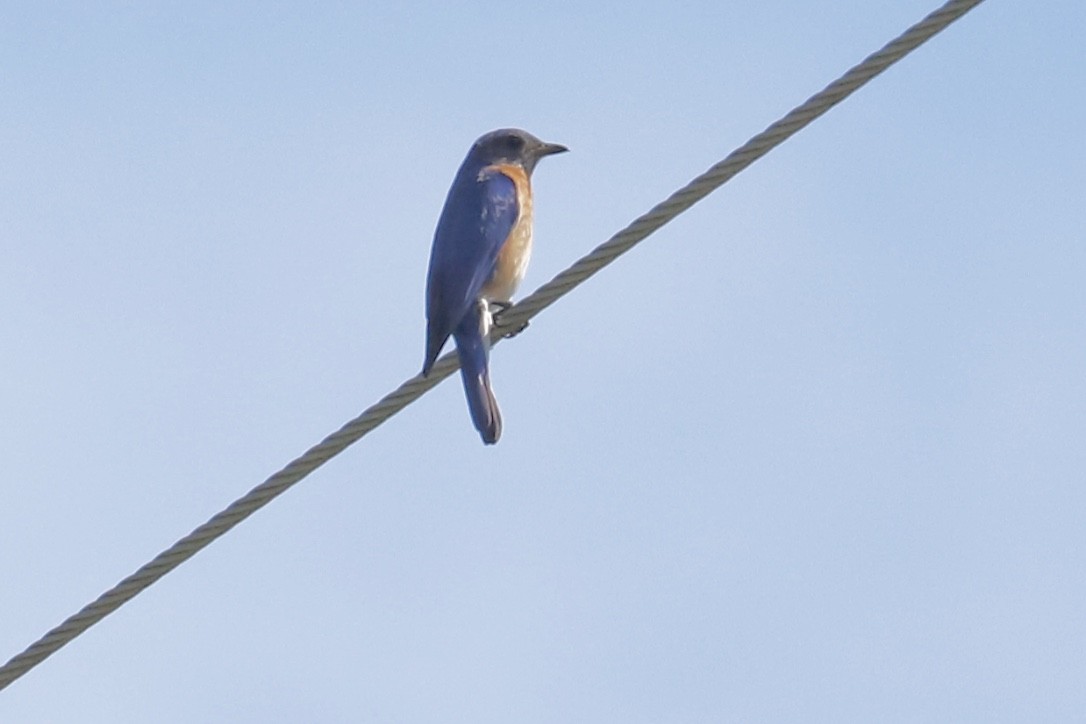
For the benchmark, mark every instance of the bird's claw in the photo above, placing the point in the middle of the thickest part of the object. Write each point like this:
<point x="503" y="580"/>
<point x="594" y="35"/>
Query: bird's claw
<point x="501" y="308"/>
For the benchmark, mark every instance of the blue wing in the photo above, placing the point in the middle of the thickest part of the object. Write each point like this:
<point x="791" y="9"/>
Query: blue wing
<point x="479" y="213"/>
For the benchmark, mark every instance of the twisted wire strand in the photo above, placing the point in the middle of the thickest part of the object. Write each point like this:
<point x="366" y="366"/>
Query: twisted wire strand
<point x="736" y="161"/>
<point x="514" y="317"/>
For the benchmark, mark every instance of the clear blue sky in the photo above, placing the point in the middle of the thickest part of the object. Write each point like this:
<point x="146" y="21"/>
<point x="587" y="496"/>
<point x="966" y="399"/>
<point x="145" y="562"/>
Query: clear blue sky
<point x="813" y="452"/>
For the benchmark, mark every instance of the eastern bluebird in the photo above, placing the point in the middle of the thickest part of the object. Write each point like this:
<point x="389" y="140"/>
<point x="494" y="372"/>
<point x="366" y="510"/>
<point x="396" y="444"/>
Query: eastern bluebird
<point x="480" y="253"/>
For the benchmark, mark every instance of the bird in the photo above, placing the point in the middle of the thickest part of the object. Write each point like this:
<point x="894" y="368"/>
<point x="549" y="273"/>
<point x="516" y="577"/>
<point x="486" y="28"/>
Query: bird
<point x="480" y="253"/>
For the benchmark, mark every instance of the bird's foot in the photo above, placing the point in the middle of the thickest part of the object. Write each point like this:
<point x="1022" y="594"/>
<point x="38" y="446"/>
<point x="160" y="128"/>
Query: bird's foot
<point x="500" y="309"/>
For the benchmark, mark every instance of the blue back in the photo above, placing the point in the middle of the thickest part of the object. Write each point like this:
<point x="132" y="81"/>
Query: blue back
<point x="479" y="214"/>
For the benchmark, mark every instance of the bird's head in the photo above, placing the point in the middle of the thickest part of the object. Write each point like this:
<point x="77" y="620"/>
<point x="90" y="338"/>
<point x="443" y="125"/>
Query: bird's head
<point x="512" y="145"/>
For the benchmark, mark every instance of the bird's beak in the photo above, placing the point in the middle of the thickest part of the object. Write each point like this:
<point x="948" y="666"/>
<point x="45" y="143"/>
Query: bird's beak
<point x="548" y="149"/>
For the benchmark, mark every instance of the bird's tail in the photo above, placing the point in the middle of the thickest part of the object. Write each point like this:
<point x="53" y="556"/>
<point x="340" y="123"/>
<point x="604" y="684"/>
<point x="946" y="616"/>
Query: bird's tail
<point x="473" y="348"/>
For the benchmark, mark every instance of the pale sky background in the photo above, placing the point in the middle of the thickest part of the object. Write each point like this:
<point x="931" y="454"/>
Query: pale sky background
<point x="813" y="452"/>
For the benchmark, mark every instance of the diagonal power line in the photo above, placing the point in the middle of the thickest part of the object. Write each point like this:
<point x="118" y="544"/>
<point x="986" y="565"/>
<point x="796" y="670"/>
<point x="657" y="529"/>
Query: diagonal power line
<point x="515" y="317"/>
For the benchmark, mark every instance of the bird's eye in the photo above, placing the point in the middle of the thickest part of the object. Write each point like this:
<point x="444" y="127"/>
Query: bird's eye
<point x="516" y="143"/>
